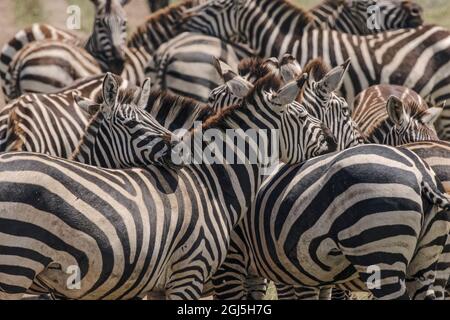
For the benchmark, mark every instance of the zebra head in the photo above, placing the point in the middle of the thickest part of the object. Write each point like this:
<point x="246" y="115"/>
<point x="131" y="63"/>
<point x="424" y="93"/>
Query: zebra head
<point x="236" y="87"/>
<point x="382" y="15"/>
<point x="320" y="98"/>
<point x="109" y="38"/>
<point x="408" y="123"/>
<point x="302" y="135"/>
<point x="126" y="135"/>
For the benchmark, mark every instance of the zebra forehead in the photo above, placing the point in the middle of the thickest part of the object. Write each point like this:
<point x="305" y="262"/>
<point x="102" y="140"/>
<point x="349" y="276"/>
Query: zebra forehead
<point x="271" y="81"/>
<point x="317" y="69"/>
<point x="253" y="67"/>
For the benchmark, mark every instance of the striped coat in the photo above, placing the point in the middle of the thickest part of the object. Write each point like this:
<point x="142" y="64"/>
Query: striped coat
<point x="327" y="250"/>
<point x="145" y="233"/>
<point x="416" y="58"/>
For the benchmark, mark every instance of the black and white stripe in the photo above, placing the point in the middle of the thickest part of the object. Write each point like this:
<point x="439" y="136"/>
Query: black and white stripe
<point x="416" y="58"/>
<point x="357" y="17"/>
<point x="386" y="112"/>
<point x="183" y="64"/>
<point x="361" y="209"/>
<point x="120" y="244"/>
<point x="24" y="57"/>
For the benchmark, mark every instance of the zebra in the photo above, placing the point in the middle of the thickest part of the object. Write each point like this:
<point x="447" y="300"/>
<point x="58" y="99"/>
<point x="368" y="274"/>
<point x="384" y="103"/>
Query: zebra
<point x="143" y="230"/>
<point x="64" y="61"/>
<point x="334" y="252"/>
<point x="185" y="64"/>
<point x="353" y="16"/>
<point x="175" y="65"/>
<point x="106" y="43"/>
<point x="272" y="28"/>
<point x="49" y="123"/>
<point x="47" y="66"/>
<point x="437" y="155"/>
<point x="121" y="131"/>
<point x="338" y="119"/>
<point x="401" y="106"/>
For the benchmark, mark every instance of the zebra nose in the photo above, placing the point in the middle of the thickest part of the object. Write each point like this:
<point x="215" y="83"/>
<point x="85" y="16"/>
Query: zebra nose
<point x="415" y="10"/>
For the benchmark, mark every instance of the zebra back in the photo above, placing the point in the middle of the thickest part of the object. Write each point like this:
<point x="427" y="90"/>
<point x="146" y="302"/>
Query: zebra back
<point x="47" y="66"/>
<point x="36" y="32"/>
<point x="367" y="17"/>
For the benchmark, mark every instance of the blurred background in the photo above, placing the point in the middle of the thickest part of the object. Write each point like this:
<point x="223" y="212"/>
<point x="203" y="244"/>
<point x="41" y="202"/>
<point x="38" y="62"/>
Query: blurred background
<point x="17" y="14"/>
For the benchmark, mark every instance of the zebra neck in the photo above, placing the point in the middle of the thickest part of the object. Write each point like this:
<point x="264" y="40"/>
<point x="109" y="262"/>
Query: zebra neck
<point x="329" y="13"/>
<point x="378" y="133"/>
<point x="87" y="147"/>
<point x="159" y="28"/>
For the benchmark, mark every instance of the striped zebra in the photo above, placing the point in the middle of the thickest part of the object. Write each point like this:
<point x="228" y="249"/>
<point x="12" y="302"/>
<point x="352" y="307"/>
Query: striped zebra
<point x="146" y="231"/>
<point x="185" y="64"/>
<point x="437" y="155"/>
<point x="342" y="126"/>
<point x="63" y="60"/>
<point x="121" y="134"/>
<point x="416" y="58"/>
<point x="385" y="201"/>
<point x="354" y="16"/>
<point x="49" y="123"/>
<point x="106" y="43"/>
<point x="176" y="64"/>
<point x="380" y="108"/>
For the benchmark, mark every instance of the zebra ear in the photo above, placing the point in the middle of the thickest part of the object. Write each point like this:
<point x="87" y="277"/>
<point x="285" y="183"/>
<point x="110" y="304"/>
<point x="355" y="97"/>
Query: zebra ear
<point x="332" y="81"/>
<point x="431" y="115"/>
<point x="239" y="86"/>
<point x="396" y="110"/>
<point x="287" y="94"/>
<point x="85" y="104"/>
<point x="225" y="72"/>
<point x="145" y="93"/>
<point x="110" y="90"/>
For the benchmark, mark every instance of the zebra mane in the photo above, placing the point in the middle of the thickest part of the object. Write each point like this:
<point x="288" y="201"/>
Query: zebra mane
<point x="332" y="3"/>
<point x="161" y="17"/>
<point x="92" y="128"/>
<point x="17" y="131"/>
<point x="253" y="67"/>
<point x="305" y="18"/>
<point x="177" y="104"/>
<point x="316" y="68"/>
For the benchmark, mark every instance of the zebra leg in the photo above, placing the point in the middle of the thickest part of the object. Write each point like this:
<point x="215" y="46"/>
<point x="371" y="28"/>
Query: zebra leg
<point x="307" y="293"/>
<point x="15" y="284"/>
<point x="184" y="287"/>
<point x="256" y="287"/>
<point x="285" y="292"/>
<point x="326" y="293"/>
<point x="383" y="278"/>
<point x="230" y="281"/>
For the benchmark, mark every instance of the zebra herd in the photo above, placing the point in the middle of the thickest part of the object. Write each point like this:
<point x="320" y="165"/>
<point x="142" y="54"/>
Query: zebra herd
<point x="99" y="170"/>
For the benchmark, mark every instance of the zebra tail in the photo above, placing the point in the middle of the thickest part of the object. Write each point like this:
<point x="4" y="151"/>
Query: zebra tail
<point x="435" y="196"/>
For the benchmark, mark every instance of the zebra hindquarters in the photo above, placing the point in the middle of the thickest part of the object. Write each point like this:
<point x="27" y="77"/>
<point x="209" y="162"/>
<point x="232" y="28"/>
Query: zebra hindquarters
<point x="185" y="65"/>
<point x="47" y="66"/>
